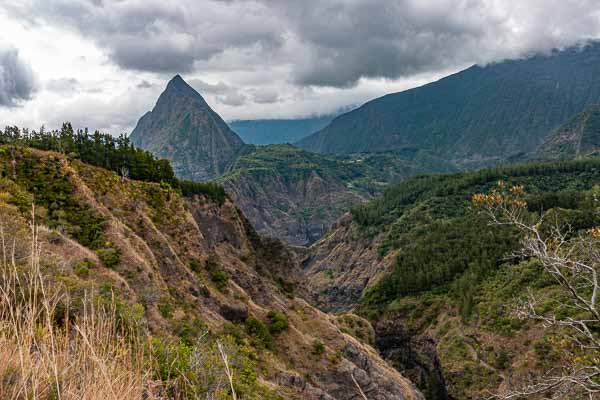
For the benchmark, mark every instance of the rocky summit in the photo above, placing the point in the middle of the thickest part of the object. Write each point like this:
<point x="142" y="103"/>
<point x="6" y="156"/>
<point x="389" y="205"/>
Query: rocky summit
<point x="185" y="130"/>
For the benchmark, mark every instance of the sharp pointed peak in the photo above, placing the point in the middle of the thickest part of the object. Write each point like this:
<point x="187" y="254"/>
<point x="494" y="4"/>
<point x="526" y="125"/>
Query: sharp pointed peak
<point x="179" y="85"/>
<point x="178" y="81"/>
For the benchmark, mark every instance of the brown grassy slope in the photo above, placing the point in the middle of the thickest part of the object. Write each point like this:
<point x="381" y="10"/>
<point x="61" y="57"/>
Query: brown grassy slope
<point x="188" y="263"/>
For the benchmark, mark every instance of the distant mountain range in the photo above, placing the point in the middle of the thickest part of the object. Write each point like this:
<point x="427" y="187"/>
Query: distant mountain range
<point x="502" y="113"/>
<point x="279" y="131"/>
<point x="286" y="192"/>
<point x="482" y="115"/>
<point x="185" y="130"/>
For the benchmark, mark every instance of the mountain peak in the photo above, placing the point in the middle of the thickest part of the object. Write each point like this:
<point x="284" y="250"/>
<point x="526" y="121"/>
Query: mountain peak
<point x="179" y="85"/>
<point x="185" y="130"/>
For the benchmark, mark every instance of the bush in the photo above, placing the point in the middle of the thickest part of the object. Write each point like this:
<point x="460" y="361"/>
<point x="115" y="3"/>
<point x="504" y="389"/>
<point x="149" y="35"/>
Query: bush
<point x="220" y="278"/>
<point x="165" y="307"/>
<point x="318" y="347"/>
<point x="82" y="268"/>
<point x="260" y="332"/>
<point x="211" y="190"/>
<point x="109" y="257"/>
<point x="277" y="322"/>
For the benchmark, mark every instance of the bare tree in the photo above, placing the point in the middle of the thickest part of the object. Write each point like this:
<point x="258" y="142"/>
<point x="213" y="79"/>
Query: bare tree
<point x="228" y="370"/>
<point x="573" y="260"/>
<point x="124" y="173"/>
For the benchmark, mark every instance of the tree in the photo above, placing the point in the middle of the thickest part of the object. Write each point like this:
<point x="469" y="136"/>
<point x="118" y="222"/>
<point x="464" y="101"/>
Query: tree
<point x="573" y="260"/>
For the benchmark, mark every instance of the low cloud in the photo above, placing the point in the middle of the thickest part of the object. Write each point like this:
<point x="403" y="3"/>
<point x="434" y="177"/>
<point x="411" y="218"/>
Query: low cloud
<point x="63" y="85"/>
<point x="265" y="96"/>
<point x="144" y="85"/>
<point x="17" y="80"/>
<point x="203" y="87"/>
<point x="233" y="99"/>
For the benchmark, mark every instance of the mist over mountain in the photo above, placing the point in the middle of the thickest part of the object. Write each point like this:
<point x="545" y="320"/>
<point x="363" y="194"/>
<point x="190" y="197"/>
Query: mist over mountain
<point x="482" y="115"/>
<point x="279" y="131"/>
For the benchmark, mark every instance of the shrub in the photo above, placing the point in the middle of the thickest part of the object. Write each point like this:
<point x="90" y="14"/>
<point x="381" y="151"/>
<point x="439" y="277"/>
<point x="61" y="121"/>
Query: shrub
<point x="260" y="332"/>
<point x="318" y="347"/>
<point x="277" y="322"/>
<point x="220" y="279"/>
<point x="109" y="257"/>
<point x="165" y="307"/>
<point x="82" y="268"/>
<point x="195" y="265"/>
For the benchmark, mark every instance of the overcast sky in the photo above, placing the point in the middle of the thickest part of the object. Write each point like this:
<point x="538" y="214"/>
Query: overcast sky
<point x="103" y="63"/>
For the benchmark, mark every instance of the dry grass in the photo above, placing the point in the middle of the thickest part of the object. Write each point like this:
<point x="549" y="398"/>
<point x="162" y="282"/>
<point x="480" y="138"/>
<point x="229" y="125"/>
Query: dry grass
<point x="44" y="354"/>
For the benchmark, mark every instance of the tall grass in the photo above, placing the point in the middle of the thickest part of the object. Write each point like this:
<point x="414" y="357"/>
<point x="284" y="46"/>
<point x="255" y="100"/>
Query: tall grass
<point x="47" y="354"/>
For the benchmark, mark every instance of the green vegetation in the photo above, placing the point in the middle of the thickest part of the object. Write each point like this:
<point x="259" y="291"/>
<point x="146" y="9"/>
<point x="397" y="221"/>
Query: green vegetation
<point x="98" y="149"/>
<point x="478" y="116"/>
<point x="277" y="322"/>
<point x="220" y="279"/>
<point x="106" y="151"/>
<point x="318" y="347"/>
<point x="454" y="278"/>
<point x="209" y="189"/>
<point x="53" y="192"/>
<point x="110" y="257"/>
<point x="259" y="332"/>
<point x="445" y="246"/>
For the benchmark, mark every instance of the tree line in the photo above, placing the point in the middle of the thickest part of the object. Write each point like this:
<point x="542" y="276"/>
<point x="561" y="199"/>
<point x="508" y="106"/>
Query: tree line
<point x="103" y="150"/>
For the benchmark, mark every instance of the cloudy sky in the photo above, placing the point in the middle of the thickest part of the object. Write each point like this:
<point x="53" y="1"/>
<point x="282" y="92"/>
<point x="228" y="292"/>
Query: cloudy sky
<point x="103" y="63"/>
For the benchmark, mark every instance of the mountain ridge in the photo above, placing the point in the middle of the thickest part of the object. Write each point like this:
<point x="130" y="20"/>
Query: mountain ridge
<point x="478" y="116"/>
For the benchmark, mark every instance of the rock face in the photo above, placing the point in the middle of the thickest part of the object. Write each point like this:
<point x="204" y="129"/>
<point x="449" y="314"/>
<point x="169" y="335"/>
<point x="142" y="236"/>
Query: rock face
<point x="341" y="266"/>
<point x="415" y="356"/>
<point x="290" y="194"/>
<point x="578" y="137"/>
<point x="184" y="129"/>
<point x="478" y="116"/>
<point x="169" y="248"/>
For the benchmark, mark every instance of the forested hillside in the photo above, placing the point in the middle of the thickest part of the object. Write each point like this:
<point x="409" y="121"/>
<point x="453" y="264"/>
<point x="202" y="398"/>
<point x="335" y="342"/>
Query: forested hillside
<point x="444" y="272"/>
<point x="482" y="115"/>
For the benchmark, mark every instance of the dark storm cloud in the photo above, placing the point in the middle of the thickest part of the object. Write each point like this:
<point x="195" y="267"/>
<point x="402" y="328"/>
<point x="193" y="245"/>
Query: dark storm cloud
<point x="17" y="81"/>
<point x="345" y="40"/>
<point x="321" y="43"/>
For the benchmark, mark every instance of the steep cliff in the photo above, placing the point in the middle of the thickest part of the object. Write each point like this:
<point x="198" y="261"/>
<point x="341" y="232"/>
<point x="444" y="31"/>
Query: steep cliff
<point x="186" y="265"/>
<point x="437" y="282"/>
<point x="185" y="130"/>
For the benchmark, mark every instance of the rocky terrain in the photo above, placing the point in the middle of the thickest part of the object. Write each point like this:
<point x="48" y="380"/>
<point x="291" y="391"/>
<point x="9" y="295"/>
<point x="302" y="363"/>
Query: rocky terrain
<point x="577" y="138"/>
<point x="185" y="130"/>
<point x="289" y="194"/>
<point x="190" y="264"/>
